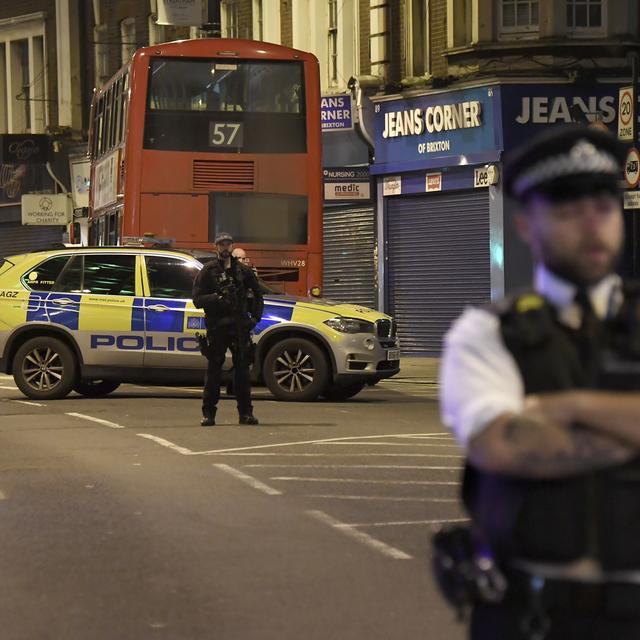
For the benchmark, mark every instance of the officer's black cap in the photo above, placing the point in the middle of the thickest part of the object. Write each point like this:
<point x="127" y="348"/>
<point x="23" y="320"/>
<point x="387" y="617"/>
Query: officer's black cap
<point x="565" y="163"/>
<point x="223" y="237"/>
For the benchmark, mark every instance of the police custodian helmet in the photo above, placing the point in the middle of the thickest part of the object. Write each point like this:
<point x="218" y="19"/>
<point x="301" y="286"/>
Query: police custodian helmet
<point x="565" y="163"/>
<point x="222" y="236"/>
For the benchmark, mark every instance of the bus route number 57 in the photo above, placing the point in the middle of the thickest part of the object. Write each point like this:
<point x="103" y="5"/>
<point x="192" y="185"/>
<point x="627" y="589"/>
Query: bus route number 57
<point x="225" y="134"/>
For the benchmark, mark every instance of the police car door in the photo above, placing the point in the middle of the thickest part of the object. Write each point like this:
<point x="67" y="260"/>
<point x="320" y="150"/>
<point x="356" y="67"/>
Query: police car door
<point x="171" y="320"/>
<point x="104" y="286"/>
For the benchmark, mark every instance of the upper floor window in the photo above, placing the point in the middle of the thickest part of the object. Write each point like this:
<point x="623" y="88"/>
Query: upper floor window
<point x="519" y="16"/>
<point x="333" y="43"/>
<point x="230" y="19"/>
<point x="156" y="31"/>
<point x="585" y="15"/>
<point x="101" y="54"/>
<point x="258" y="20"/>
<point x="417" y="38"/>
<point x="128" y="39"/>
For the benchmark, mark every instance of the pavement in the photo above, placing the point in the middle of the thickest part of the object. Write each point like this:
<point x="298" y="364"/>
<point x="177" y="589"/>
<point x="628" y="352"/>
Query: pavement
<point x="122" y="518"/>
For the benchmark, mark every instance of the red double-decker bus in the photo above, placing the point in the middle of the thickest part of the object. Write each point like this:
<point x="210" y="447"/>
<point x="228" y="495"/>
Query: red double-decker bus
<point x="200" y="136"/>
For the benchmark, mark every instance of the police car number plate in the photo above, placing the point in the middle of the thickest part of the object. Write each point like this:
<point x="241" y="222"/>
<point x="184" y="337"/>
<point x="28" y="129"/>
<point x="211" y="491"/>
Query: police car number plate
<point x="394" y="354"/>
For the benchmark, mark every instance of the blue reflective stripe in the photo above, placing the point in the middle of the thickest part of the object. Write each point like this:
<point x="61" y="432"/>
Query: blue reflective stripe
<point x="137" y="315"/>
<point x="273" y="314"/>
<point x="170" y="320"/>
<point x="41" y="308"/>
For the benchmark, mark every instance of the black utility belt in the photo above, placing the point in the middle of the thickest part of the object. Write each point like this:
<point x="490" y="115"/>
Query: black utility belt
<point x="619" y="599"/>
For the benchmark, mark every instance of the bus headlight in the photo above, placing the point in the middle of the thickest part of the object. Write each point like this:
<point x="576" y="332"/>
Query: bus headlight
<point x="350" y="325"/>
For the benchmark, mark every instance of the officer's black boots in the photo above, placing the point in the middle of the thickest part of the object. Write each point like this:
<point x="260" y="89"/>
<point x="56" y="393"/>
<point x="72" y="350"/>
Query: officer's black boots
<point x="248" y="418"/>
<point x="208" y="418"/>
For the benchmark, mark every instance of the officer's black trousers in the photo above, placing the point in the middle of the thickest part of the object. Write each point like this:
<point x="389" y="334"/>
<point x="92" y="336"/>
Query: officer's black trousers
<point x="501" y="622"/>
<point x="239" y="341"/>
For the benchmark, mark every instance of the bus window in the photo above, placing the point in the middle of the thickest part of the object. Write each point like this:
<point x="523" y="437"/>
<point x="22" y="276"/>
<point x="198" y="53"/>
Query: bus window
<point x="203" y="105"/>
<point x="260" y="218"/>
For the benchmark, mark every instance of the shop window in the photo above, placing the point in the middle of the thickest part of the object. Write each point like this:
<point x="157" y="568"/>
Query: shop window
<point x="519" y="16"/>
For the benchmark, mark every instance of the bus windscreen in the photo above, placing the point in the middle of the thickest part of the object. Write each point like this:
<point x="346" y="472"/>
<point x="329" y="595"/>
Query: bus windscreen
<point x="226" y="106"/>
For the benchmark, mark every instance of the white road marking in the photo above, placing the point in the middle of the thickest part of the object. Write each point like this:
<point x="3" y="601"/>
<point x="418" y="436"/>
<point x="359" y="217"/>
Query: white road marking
<point x="387" y="444"/>
<point x="14" y="388"/>
<point x="360" y="481"/>
<point x="379" y="498"/>
<point x="3" y="496"/>
<point x="5" y="377"/>
<point x="409" y="522"/>
<point x="166" y="443"/>
<point x="294" y="444"/>
<point x="106" y="423"/>
<point x="31" y="404"/>
<point x="354" y="466"/>
<point x="338" y="455"/>
<point x="247" y="479"/>
<point x="360" y="536"/>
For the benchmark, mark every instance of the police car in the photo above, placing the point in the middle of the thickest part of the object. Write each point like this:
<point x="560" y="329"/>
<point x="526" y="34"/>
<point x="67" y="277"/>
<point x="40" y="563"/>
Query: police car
<point x="89" y="319"/>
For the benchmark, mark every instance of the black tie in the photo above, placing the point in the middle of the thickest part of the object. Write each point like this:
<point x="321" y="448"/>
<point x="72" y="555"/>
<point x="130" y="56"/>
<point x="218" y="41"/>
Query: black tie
<point x="588" y="335"/>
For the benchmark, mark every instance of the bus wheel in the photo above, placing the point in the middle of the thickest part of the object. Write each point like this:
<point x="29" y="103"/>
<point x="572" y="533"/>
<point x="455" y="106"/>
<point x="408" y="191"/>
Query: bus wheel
<point x="95" y="388"/>
<point x="337" y="393"/>
<point x="45" y="368"/>
<point x="296" y="370"/>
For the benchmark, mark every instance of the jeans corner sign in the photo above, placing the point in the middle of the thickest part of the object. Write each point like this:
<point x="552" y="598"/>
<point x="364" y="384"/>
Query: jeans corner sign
<point x="336" y="113"/>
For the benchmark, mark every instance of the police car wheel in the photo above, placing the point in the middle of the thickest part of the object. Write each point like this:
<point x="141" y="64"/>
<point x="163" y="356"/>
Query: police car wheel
<point x="337" y="393"/>
<point x="296" y="370"/>
<point x="95" y="388"/>
<point x="45" y="368"/>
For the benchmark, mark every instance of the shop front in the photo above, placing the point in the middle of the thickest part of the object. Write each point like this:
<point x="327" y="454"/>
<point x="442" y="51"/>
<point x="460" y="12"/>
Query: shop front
<point x="446" y="236"/>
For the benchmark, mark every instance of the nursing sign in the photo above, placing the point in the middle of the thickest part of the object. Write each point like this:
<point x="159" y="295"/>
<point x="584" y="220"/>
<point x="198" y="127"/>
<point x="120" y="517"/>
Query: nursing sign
<point x="335" y="113"/>
<point x="346" y="184"/>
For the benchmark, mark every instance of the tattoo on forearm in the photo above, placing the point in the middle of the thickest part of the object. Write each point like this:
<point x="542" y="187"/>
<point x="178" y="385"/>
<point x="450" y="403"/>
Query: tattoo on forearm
<point x="542" y="449"/>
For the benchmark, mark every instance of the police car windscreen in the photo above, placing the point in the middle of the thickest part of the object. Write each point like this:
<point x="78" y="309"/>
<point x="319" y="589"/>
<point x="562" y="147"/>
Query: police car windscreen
<point x="226" y="106"/>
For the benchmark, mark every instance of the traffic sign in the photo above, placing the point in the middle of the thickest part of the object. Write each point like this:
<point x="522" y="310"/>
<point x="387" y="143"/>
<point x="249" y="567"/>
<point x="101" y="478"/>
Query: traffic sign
<point x="626" y="113"/>
<point x="632" y="168"/>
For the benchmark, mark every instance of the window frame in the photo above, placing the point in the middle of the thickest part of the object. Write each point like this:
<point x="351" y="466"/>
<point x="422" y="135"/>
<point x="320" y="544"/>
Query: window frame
<point x="332" y="44"/>
<point x="587" y="32"/>
<point x="230" y="19"/>
<point x="518" y="30"/>
<point x="411" y="36"/>
<point x="127" y="47"/>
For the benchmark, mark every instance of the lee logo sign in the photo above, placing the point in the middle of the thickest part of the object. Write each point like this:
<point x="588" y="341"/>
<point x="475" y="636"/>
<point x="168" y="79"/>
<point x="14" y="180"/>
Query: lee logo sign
<point x="485" y="176"/>
<point x="632" y="168"/>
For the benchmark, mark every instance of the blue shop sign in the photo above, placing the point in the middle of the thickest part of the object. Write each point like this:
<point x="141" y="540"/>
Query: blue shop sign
<point x="438" y="130"/>
<point x="530" y="109"/>
<point x="335" y="113"/>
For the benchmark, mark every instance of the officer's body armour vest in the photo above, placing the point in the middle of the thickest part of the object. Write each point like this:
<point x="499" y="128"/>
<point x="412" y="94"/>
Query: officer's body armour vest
<point x="596" y="514"/>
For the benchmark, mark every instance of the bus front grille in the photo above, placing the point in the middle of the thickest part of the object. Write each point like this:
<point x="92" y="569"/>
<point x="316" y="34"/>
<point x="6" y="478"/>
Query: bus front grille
<point x="222" y="175"/>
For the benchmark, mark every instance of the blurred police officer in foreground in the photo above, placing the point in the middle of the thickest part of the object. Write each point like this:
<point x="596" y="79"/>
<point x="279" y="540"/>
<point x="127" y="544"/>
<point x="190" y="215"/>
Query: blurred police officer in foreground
<point x="542" y="391"/>
<point x="229" y="293"/>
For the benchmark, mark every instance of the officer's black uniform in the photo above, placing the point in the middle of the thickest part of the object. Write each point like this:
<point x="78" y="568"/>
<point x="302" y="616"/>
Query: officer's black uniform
<point x="232" y="300"/>
<point x="561" y="520"/>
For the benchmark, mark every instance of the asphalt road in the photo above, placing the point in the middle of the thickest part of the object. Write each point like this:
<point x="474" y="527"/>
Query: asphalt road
<point x="121" y="518"/>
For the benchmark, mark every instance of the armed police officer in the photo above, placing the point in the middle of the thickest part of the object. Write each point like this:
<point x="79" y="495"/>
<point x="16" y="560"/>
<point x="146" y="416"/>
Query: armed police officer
<point x="543" y="391"/>
<point x="231" y="297"/>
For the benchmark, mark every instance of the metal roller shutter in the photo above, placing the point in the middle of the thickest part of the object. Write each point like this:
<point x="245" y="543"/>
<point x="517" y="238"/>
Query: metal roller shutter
<point x="349" y="267"/>
<point x="438" y="263"/>
<point x="16" y="238"/>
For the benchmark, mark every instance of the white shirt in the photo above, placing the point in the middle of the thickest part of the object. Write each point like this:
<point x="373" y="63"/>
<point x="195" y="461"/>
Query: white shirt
<point x="479" y="378"/>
